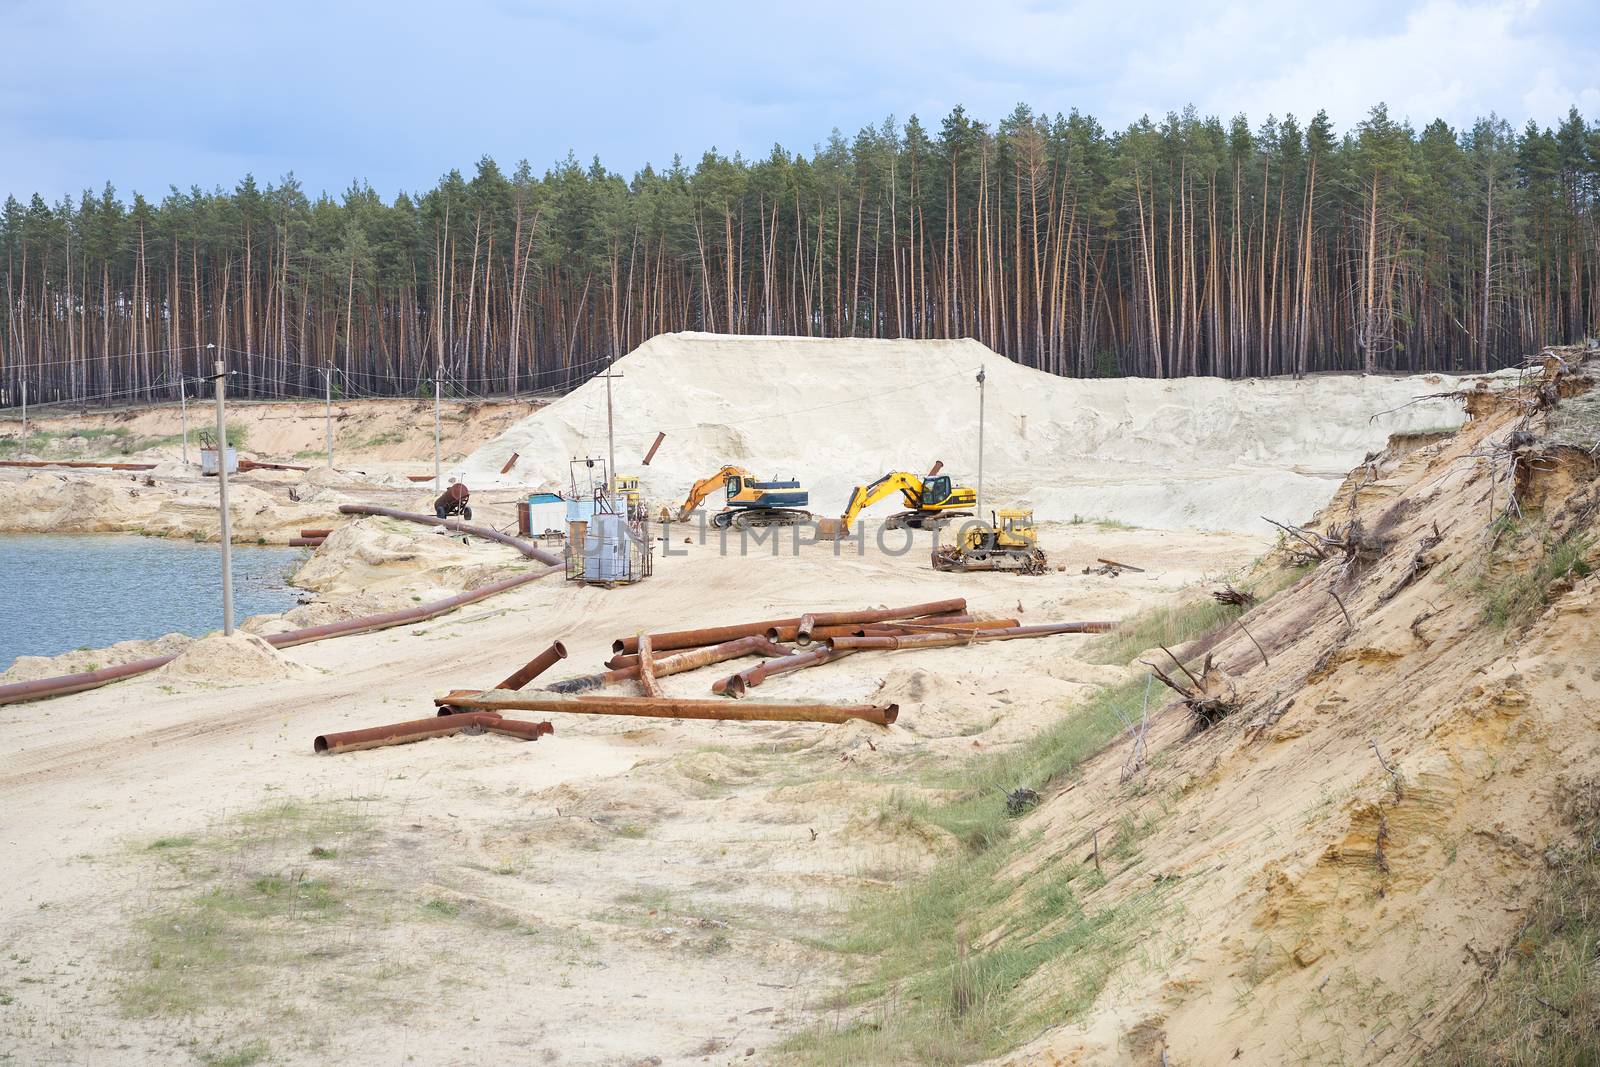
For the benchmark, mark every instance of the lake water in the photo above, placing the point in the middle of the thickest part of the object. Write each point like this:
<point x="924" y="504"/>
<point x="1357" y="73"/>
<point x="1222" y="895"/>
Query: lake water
<point x="91" y="590"/>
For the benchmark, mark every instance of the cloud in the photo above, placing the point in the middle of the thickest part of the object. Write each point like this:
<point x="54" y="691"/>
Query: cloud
<point x="182" y="92"/>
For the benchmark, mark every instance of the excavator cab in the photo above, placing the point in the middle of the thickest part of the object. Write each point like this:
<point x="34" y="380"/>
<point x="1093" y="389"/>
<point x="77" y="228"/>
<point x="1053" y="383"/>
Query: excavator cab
<point x="935" y="491"/>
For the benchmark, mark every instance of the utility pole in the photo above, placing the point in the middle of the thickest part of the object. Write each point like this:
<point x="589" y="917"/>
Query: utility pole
<point x="183" y="406"/>
<point x="611" y="439"/>
<point x="327" y="412"/>
<point x="981" y="378"/>
<point x="221" y="369"/>
<point x="438" y="469"/>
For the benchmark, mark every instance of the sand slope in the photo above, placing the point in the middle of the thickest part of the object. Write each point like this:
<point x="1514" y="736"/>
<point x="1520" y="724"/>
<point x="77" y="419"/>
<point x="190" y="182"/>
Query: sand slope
<point x="1195" y="452"/>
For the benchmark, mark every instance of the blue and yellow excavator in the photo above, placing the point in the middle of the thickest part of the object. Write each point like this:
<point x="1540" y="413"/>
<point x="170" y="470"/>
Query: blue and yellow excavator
<point x="750" y="503"/>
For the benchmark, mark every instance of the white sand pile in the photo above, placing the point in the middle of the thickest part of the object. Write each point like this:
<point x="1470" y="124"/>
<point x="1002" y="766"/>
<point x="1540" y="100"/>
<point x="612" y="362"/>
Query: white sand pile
<point x="387" y="557"/>
<point x="241" y="657"/>
<point x="1192" y="452"/>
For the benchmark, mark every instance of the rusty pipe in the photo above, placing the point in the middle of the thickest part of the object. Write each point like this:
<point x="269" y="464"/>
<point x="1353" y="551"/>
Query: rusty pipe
<point x="529" y="550"/>
<point x="736" y="684"/>
<point x="306" y="542"/>
<point x="712" y="635"/>
<point x="76" y="463"/>
<point x="689" y="660"/>
<point x="957" y="625"/>
<point x="528" y="731"/>
<point x="661" y="435"/>
<point x="671" y="707"/>
<point x="535" y="666"/>
<point x="63" y="684"/>
<point x="818" y="633"/>
<point x="647" y="668"/>
<point x="812" y="620"/>
<point x="939" y="640"/>
<point x="401" y="733"/>
<point x="316" y="533"/>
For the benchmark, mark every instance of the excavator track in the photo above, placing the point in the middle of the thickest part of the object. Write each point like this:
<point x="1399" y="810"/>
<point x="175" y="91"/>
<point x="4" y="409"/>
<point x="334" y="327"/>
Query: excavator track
<point x="923" y="520"/>
<point x="759" y="518"/>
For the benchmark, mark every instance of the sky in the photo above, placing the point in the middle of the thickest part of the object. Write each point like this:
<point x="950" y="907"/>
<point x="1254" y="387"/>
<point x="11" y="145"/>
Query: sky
<point x="183" y="92"/>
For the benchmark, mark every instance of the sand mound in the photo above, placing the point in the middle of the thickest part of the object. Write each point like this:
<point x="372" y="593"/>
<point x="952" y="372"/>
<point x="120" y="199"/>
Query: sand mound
<point x="1193" y="452"/>
<point x="32" y="668"/>
<point x="242" y="657"/>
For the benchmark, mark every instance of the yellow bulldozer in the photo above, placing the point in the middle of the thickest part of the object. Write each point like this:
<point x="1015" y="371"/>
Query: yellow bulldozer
<point x="1007" y="543"/>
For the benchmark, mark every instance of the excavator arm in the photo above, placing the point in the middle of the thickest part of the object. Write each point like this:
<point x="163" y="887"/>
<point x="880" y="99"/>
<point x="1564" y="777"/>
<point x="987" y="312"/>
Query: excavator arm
<point x="908" y="485"/>
<point x="706" y="486"/>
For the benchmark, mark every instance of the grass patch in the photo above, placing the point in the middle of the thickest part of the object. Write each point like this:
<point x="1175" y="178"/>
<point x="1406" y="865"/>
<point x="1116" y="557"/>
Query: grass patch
<point x="103" y="441"/>
<point x="254" y="915"/>
<point x="1543" y="1005"/>
<point x="1103" y="523"/>
<point x="936" y="1000"/>
<point x="243" y="1056"/>
<point x="1512" y="595"/>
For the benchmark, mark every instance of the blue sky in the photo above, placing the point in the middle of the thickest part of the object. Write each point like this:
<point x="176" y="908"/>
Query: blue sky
<point x="182" y="92"/>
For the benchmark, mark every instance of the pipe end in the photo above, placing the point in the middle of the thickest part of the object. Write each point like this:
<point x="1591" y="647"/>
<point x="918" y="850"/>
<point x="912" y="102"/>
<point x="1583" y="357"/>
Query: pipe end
<point x="321" y="744"/>
<point x="891" y="712"/>
<point x="559" y="649"/>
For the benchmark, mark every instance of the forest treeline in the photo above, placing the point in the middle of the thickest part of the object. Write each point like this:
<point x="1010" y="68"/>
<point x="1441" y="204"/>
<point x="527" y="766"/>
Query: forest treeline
<point x="1186" y="246"/>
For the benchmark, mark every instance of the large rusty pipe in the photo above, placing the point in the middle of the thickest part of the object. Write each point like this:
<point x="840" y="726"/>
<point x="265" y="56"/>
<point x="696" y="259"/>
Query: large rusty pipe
<point x="689" y="660"/>
<point x="937" y="640"/>
<point x="931" y="626"/>
<point x="306" y="542"/>
<point x="712" y="635"/>
<point x="536" y="666"/>
<point x="528" y="731"/>
<point x="316" y="533"/>
<point x="383" y="621"/>
<point x="63" y="684"/>
<point x="735" y="685"/>
<point x="679" y="639"/>
<point x="401" y="733"/>
<point x="529" y="550"/>
<point x="661" y="435"/>
<point x="671" y="707"/>
<point x="76" y="463"/>
<point x="812" y="620"/>
<point x="818" y="633"/>
<point x="647" y="668"/>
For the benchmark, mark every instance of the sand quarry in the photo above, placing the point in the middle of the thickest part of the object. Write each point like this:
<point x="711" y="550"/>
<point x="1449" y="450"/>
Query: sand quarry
<point x="188" y="882"/>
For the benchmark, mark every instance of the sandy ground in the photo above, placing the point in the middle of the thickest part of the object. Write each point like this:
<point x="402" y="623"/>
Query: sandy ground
<point x="620" y="891"/>
<point x="376" y="432"/>
<point x="187" y="882"/>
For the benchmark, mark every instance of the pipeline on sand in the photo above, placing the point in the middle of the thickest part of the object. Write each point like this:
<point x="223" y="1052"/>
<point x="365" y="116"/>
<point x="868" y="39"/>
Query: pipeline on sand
<point x="77" y="683"/>
<point x="943" y="640"/>
<point x="716" y="634"/>
<point x="692" y="659"/>
<point x="402" y="733"/>
<point x="670" y="707"/>
<point x="531" y="551"/>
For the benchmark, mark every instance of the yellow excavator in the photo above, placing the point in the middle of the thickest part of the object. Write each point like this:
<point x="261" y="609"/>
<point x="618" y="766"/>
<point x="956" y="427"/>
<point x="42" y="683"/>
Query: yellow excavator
<point x="1006" y="543"/>
<point x="750" y="503"/>
<point x="931" y="502"/>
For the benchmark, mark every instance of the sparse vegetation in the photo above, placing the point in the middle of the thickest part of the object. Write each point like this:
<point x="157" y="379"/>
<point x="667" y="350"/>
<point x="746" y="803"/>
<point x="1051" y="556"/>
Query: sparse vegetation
<point x="1511" y="592"/>
<point x="1185" y="621"/>
<point x="1542" y="1006"/>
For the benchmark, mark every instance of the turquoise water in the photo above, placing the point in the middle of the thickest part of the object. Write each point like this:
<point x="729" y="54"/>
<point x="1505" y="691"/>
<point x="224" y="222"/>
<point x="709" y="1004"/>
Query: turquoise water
<point x="91" y="590"/>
